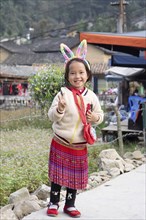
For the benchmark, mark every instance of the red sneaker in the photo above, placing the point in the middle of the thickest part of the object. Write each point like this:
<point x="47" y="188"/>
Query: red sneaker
<point x="52" y="210"/>
<point x="72" y="212"/>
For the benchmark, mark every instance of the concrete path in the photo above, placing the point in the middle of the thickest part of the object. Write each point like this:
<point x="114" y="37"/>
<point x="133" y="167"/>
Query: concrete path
<point x="122" y="198"/>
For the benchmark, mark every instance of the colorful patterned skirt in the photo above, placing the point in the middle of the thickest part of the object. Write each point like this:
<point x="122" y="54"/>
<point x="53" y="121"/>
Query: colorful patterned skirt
<point x="68" y="166"/>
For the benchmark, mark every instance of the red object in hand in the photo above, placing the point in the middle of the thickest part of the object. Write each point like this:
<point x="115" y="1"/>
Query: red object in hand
<point x="89" y="107"/>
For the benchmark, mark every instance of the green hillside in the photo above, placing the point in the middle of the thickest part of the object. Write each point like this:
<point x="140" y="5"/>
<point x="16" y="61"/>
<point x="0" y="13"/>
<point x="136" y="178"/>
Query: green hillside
<point x="52" y="16"/>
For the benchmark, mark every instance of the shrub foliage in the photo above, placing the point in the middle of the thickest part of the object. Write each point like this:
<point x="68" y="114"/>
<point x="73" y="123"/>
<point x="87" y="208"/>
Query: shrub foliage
<point x="45" y="84"/>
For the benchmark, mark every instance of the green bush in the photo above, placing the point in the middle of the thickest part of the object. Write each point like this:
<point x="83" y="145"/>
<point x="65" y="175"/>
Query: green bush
<point x="46" y="84"/>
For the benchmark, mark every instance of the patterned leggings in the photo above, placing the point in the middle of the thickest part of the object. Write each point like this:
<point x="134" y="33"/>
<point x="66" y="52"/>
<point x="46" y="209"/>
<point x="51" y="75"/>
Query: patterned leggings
<point x="55" y="195"/>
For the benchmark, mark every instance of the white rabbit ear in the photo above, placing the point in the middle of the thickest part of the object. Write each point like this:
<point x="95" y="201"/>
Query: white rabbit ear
<point x="82" y="49"/>
<point x="67" y="56"/>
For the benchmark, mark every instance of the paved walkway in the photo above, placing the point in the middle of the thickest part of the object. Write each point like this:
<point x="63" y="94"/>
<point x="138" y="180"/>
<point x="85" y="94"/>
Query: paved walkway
<point x="122" y="198"/>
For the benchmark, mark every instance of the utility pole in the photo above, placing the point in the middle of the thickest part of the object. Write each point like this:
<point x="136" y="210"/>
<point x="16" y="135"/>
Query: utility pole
<point x="121" y="23"/>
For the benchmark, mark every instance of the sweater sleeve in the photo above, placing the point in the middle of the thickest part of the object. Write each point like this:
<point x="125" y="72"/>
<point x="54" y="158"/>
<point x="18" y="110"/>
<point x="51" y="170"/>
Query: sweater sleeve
<point x="97" y="109"/>
<point x="53" y="114"/>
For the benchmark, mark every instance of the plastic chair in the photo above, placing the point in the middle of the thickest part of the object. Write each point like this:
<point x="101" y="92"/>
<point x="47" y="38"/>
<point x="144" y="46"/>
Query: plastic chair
<point x="134" y="103"/>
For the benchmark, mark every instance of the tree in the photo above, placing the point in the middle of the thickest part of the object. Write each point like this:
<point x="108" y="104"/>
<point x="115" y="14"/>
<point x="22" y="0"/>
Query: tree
<point x="105" y="25"/>
<point x="45" y="84"/>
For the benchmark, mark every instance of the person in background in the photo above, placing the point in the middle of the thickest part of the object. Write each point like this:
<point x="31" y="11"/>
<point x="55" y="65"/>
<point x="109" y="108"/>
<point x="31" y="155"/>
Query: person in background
<point x="68" y="162"/>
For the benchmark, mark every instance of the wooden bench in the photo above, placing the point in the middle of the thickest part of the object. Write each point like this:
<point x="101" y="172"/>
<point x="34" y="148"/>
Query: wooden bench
<point x="111" y="131"/>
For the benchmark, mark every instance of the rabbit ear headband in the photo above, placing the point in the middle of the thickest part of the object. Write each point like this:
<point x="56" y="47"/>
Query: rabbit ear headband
<point x="80" y="53"/>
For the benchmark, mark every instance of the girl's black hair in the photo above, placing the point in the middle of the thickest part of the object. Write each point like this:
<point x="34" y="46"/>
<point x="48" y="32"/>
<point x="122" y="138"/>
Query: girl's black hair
<point x="80" y="61"/>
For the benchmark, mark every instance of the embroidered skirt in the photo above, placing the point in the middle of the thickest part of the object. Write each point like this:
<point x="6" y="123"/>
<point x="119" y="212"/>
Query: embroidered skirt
<point x="68" y="166"/>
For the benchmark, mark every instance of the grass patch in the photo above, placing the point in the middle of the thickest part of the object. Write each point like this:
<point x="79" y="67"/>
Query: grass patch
<point x="24" y="160"/>
<point x="25" y="137"/>
<point x="25" y="117"/>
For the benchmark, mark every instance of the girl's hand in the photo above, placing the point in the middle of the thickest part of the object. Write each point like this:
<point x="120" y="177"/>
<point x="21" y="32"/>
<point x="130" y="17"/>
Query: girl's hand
<point x="91" y="117"/>
<point x="61" y="103"/>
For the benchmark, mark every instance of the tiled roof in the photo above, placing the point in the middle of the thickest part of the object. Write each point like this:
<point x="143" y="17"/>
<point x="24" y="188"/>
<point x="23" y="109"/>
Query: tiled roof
<point x="14" y="48"/>
<point x="99" y="68"/>
<point x="35" y="58"/>
<point x="17" y="71"/>
<point x="42" y="51"/>
<point x="53" y="44"/>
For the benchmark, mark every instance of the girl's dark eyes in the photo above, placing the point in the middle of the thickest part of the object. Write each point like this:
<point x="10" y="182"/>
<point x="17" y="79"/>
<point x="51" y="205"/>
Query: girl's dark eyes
<point x="75" y="73"/>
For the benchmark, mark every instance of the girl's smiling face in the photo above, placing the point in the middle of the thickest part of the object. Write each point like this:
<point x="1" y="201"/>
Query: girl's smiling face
<point x="77" y="76"/>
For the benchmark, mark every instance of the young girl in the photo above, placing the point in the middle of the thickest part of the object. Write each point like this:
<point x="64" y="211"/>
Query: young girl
<point x="68" y="164"/>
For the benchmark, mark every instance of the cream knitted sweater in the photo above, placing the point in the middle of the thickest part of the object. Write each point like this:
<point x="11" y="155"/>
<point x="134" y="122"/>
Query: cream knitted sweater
<point x="69" y="125"/>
